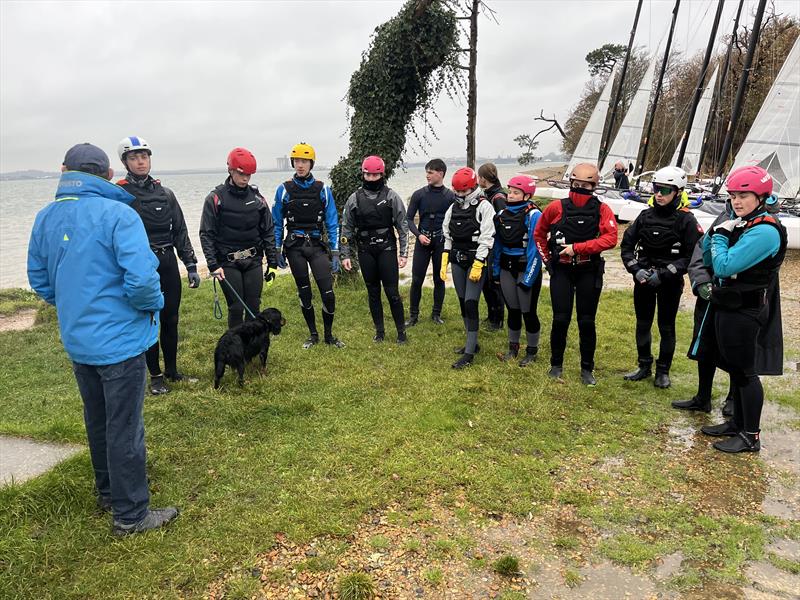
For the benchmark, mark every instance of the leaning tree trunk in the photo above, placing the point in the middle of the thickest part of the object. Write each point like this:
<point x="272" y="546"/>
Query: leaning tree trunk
<point x="472" y="98"/>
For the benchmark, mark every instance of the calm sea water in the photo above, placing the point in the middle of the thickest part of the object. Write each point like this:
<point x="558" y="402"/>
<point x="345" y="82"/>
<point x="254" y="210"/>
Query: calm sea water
<point x="21" y="200"/>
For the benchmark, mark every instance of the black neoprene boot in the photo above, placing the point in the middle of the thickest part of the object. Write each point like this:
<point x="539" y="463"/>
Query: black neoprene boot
<point x="463" y="349"/>
<point x="401" y="337"/>
<point x="722" y="430"/>
<point x="643" y="372"/>
<point x="530" y="356"/>
<point x="662" y="380"/>
<point x="412" y="320"/>
<point x="463" y="362"/>
<point x="513" y="352"/>
<point x="555" y="371"/>
<point x="379" y="336"/>
<point x="437" y="319"/>
<point x="588" y="378"/>
<point x="741" y="442"/>
<point x="157" y="386"/>
<point x="694" y="404"/>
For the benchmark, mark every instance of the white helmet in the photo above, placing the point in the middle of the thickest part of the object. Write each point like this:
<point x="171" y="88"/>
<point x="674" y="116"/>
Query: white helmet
<point x="674" y="176"/>
<point x="131" y="143"/>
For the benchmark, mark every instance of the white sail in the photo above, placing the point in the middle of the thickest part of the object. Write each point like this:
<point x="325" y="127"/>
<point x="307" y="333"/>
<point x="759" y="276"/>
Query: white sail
<point x="588" y="148"/>
<point x="626" y="145"/>
<point x="698" y="130"/>
<point x="773" y="141"/>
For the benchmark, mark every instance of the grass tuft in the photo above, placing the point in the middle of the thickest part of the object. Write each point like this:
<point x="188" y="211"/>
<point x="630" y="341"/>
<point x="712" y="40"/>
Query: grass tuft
<point x="507" y="565"/>
<point x="356" y="586"/>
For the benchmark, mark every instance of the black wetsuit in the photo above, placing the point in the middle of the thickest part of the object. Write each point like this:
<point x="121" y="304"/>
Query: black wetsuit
<point x="166" y="230"/>
<point x="236" y="231"/>
<point x="492" y="293"/>
<point x="432" y="204"/>
<point x="662" y="238"/>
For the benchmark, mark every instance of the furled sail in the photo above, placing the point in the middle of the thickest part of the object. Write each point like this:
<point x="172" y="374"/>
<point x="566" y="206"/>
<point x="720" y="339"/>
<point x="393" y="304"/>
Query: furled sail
<point x="695" y="143"/>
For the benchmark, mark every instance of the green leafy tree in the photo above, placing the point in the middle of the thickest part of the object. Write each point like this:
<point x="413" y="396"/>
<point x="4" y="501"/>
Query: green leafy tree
<point x="602" y="60"/>
<point x="410" y="59"/>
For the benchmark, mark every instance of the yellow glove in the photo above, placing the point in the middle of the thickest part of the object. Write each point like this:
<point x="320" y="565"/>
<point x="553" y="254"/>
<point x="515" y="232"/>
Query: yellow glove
<point x="443" y="270"/>
<point x="476" y="270"/>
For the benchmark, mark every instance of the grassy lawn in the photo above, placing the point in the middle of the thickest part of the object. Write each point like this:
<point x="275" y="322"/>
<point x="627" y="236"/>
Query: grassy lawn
<point x="330" y="434"/>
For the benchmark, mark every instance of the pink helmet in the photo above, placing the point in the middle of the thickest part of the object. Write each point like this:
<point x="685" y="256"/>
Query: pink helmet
<point x="750" y="179"/>
<point x="524" y="183"/>
<point x="373" y="164"/>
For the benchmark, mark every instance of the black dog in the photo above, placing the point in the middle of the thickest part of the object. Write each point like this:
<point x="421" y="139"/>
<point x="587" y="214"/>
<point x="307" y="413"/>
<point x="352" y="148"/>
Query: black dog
<point x="239" y="345"/>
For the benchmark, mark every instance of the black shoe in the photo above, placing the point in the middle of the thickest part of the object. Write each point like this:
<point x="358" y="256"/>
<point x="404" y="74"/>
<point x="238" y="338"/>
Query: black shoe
<point x="530" y="356"/>
<point x="379" y="336"/>
<point x="587" y="378"/>
<point x="436" y="318"/>
<point x="464" y="348"/>
<point x="662" y="381"/>
<point x="104" y="503"/>
<point x="643" y="372"/>
<point x="155" y="518"/>
<point x="157" y="386"/>
<point x="178" y="376"/>
<point x="334" y="341"/>
<point x="464" y="361"/>
<point x="412" y="320"/>
<point x="727" y="408"/>
<point x="312" y="340"/>
<point x="555" y="371"/>
<point x="694" y="404"/>
<point x="493" y="326"/>
<point x="722" y="430"/>
<point x="513" y="352"/>
<point x="402" y="338"/>
<point x="741" y="442"/>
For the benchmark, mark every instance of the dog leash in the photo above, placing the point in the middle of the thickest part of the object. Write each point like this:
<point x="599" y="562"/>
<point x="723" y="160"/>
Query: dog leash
<point x="238" y="297"/>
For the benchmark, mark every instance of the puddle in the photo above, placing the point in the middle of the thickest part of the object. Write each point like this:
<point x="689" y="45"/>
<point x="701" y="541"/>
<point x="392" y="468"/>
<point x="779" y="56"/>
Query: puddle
<point x="767" y="579"/>
<point x="682" y="434"/>
<point x="669" y="567"/>
<point x="780" y="450"/>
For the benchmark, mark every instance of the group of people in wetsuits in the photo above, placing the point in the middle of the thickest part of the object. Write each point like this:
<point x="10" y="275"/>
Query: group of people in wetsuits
<point x="497" y="242"/>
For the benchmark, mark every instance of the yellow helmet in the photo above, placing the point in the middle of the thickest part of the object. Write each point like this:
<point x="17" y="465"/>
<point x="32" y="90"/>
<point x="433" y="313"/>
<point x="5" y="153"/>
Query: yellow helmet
<point x="303" y="150"/>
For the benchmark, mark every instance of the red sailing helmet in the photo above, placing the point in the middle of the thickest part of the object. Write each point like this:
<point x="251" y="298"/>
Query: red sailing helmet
<point x="524" y="183"/>
<point x="373" y="164"/>
<point x="465" y="180"/>
<point x="750" y="179"/>
<point x="242" y="160"/>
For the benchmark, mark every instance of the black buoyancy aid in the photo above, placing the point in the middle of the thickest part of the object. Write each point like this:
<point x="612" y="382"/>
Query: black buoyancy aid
<point x="152" y="204"/>
<point x="510" y="226"/>
<point x="373" y="214"/>
<point x="660" y="238"/>
<point x="304" y="208"/>
<point x="760" y="275"/>
<point x="464" y="225"/>
<point x="577" y="224"/>
<point x="238" y="218"/>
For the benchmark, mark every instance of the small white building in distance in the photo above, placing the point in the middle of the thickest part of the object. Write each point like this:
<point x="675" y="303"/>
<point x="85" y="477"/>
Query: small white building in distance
<point x="283" y="164"/>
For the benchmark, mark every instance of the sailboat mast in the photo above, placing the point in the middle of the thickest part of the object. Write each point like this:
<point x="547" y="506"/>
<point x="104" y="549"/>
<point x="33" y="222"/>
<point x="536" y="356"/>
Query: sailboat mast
<point x="618" y="96"/>
<point x="698" y="92"/>
<point x="640" y="163"/>
<point x="737" y="105"/>
<point x="721" y="87"/>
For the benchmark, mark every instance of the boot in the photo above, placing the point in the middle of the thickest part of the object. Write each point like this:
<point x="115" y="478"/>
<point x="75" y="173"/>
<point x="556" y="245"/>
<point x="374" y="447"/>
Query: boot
<point x="334" y="341"/>
<point x="465" y="361"/>
<point x="722" y="430"/>
<point x="437" y="319"/>
<point x="463" y="349"/>
<point x="741" y="442"/>
<point x="402" y="338"/>
<point x="412" y="320"/>
<point x="555" y="371"/>
<point x="513" y="351"/>
<point x="312" y="340"/>
<point x="379" y="336"/>
<point x="587" y="378"/>
<point x="727" y="409"/>
<point x="694" y="404"/>
<point x="662" y="380"/>
<point x="530" y="356"/>
<point x="493" y="326"/>
<point x="157" y="386"/>
<point x="643" y="372"/>
<point x="155" y="518"/>
<point x="178" y="376"/>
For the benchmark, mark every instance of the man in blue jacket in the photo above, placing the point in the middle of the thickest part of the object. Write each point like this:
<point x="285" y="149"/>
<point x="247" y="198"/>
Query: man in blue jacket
<point x="89" y="257"/>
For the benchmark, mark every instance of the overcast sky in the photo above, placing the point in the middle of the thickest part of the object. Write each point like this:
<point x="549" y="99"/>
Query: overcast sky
<point x="198" y="78"/>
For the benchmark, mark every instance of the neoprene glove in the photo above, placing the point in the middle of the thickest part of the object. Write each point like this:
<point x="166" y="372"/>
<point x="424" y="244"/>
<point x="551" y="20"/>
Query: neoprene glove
<point x="704" y="291"/>
<point x="653" y="279"/>
<point x="443" y="270"/>
<point x="282" y="259"/>
<point x="641" y="276"/>
<point x="194" y="278"/>
<point x="726" y="227"/>
<point x="476" y="270"/>
<point x="336" y="265"/>
<point x="269" y="275"/>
